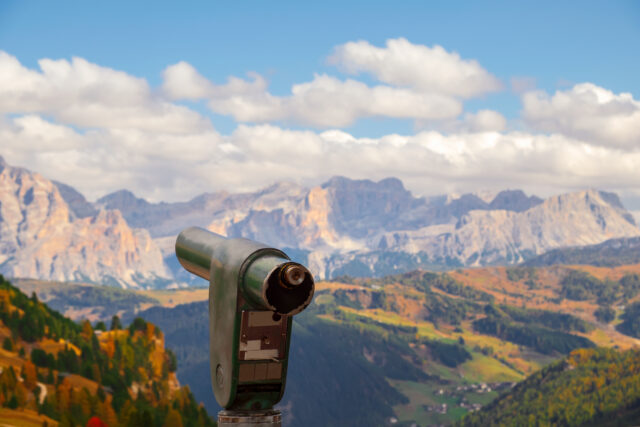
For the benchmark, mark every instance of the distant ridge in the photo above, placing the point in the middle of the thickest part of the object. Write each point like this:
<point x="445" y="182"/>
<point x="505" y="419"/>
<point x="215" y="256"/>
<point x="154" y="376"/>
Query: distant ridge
<point x="612" y="253"/>
<point x="355" y="227"/>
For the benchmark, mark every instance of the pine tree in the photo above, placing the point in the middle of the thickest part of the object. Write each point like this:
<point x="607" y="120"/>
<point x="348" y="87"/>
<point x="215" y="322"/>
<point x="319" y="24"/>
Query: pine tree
<point x="115" y="323"/>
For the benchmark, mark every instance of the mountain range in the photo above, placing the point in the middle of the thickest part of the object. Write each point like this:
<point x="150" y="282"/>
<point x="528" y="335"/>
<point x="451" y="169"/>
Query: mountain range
<point x="48" y="230"/>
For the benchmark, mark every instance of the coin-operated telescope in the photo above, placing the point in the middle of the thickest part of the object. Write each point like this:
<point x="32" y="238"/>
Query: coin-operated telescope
<point x="254" y="290"/>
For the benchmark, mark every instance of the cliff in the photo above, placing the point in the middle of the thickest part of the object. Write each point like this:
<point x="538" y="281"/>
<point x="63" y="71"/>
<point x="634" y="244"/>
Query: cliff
<point x="41" y="236"/>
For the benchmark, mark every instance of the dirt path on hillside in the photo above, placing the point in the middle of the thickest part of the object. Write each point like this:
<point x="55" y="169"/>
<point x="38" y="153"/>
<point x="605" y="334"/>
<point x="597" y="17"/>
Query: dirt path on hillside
<point x="43" y="393"/>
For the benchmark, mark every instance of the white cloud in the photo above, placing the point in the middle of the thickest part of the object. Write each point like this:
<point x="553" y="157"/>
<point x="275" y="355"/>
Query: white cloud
<point x="83" y="94"/>
<point x="182" y="81"/>
<point x="485" y="121"/>
<point x="323" y="102"/>
<point x="159" y="167"/>
<point x="481" y="121"/>
<point x="430" y="162"/>
<point x="587" y="112"/>
<point x="330" y="102"/>
<point x="423" y="68"/>
<point x="101" y="130"/>
<point x="422" y="83"/>
<point x="156" y="165"/>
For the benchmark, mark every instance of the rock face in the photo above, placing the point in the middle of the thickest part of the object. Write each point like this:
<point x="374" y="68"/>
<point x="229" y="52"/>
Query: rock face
<point x="514" y="200"/>
<point x="360" y="227"/>
<point x="484" y="237"/>
<point x="43" y="236"/>
<point x="80" y="207"/>
<point x="344" y="226"/>
<point x="489" y="237"/>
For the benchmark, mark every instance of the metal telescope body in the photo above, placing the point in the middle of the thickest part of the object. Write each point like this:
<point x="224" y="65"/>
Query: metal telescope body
<point x="254" y="290"/>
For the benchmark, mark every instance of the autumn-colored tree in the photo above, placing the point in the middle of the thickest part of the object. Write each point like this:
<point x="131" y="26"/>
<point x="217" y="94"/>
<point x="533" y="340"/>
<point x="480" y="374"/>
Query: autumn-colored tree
<point x="173" y="419"/>
<point x="95" y="371"/>
<point x="21" y="394"/>
<point x="95" y="422"/>
<point x="5" y="299"/>
<point x="109" y="416"/>
<point x="63" y="393"/>
<point x="29" y="374"/>
<point x="87" y="330"/>
<point x="150" y="331"/>
<point x="126" y="413"/>
<point x="109" y="346"/>
<point x="84" y="401"/>
<point x="8" y="379"/>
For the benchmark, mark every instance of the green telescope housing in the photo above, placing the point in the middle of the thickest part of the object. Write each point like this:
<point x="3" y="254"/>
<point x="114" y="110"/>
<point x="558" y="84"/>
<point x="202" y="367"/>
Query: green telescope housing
<point x="254" y="290"/>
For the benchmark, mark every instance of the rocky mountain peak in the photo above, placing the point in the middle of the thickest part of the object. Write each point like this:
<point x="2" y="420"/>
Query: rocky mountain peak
<point x="611" y="198"/>
<point x="589" y="198"/>
<point x="42" y="237"/>
<point x="460" y="205"/>
<point x="282" y="195"/>
<point x="514" y="200"/>
<point x="359" y="205"/>
<point x="80" y="207"/>
<point x="122" y="200"/>
<point x="30" y="206"/>
<point x="48" y="230"/>
<point x="347" y="184"/>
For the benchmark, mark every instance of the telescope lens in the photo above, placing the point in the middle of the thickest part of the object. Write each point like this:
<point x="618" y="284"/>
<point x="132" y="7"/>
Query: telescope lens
<point x="287" y="289"/>
<point x="293" y="275"/>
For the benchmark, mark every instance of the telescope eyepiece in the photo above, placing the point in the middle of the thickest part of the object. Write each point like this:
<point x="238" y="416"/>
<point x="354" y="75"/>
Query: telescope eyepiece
<point x="286" y="289"/>
<point x="293" y="275"/>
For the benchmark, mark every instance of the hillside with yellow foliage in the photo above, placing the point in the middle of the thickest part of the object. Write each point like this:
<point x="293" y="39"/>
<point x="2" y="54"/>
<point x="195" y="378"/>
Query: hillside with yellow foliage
<point x="590" y="387"/>
<point x="54" y="371"/>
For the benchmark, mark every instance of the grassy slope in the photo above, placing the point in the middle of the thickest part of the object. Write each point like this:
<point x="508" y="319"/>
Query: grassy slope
<point x="24" y="418"/>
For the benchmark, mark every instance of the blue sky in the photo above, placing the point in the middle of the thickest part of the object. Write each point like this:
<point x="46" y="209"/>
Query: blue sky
<point x="550" y="46"/>
<point x="555" y="43"/>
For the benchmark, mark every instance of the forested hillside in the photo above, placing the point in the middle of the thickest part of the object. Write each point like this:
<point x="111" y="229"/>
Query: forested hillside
<point x="611" y="253"/>
<point x="56" y="371"/>
<point x="418" y="347"/>
<point x="591" y="387"/>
